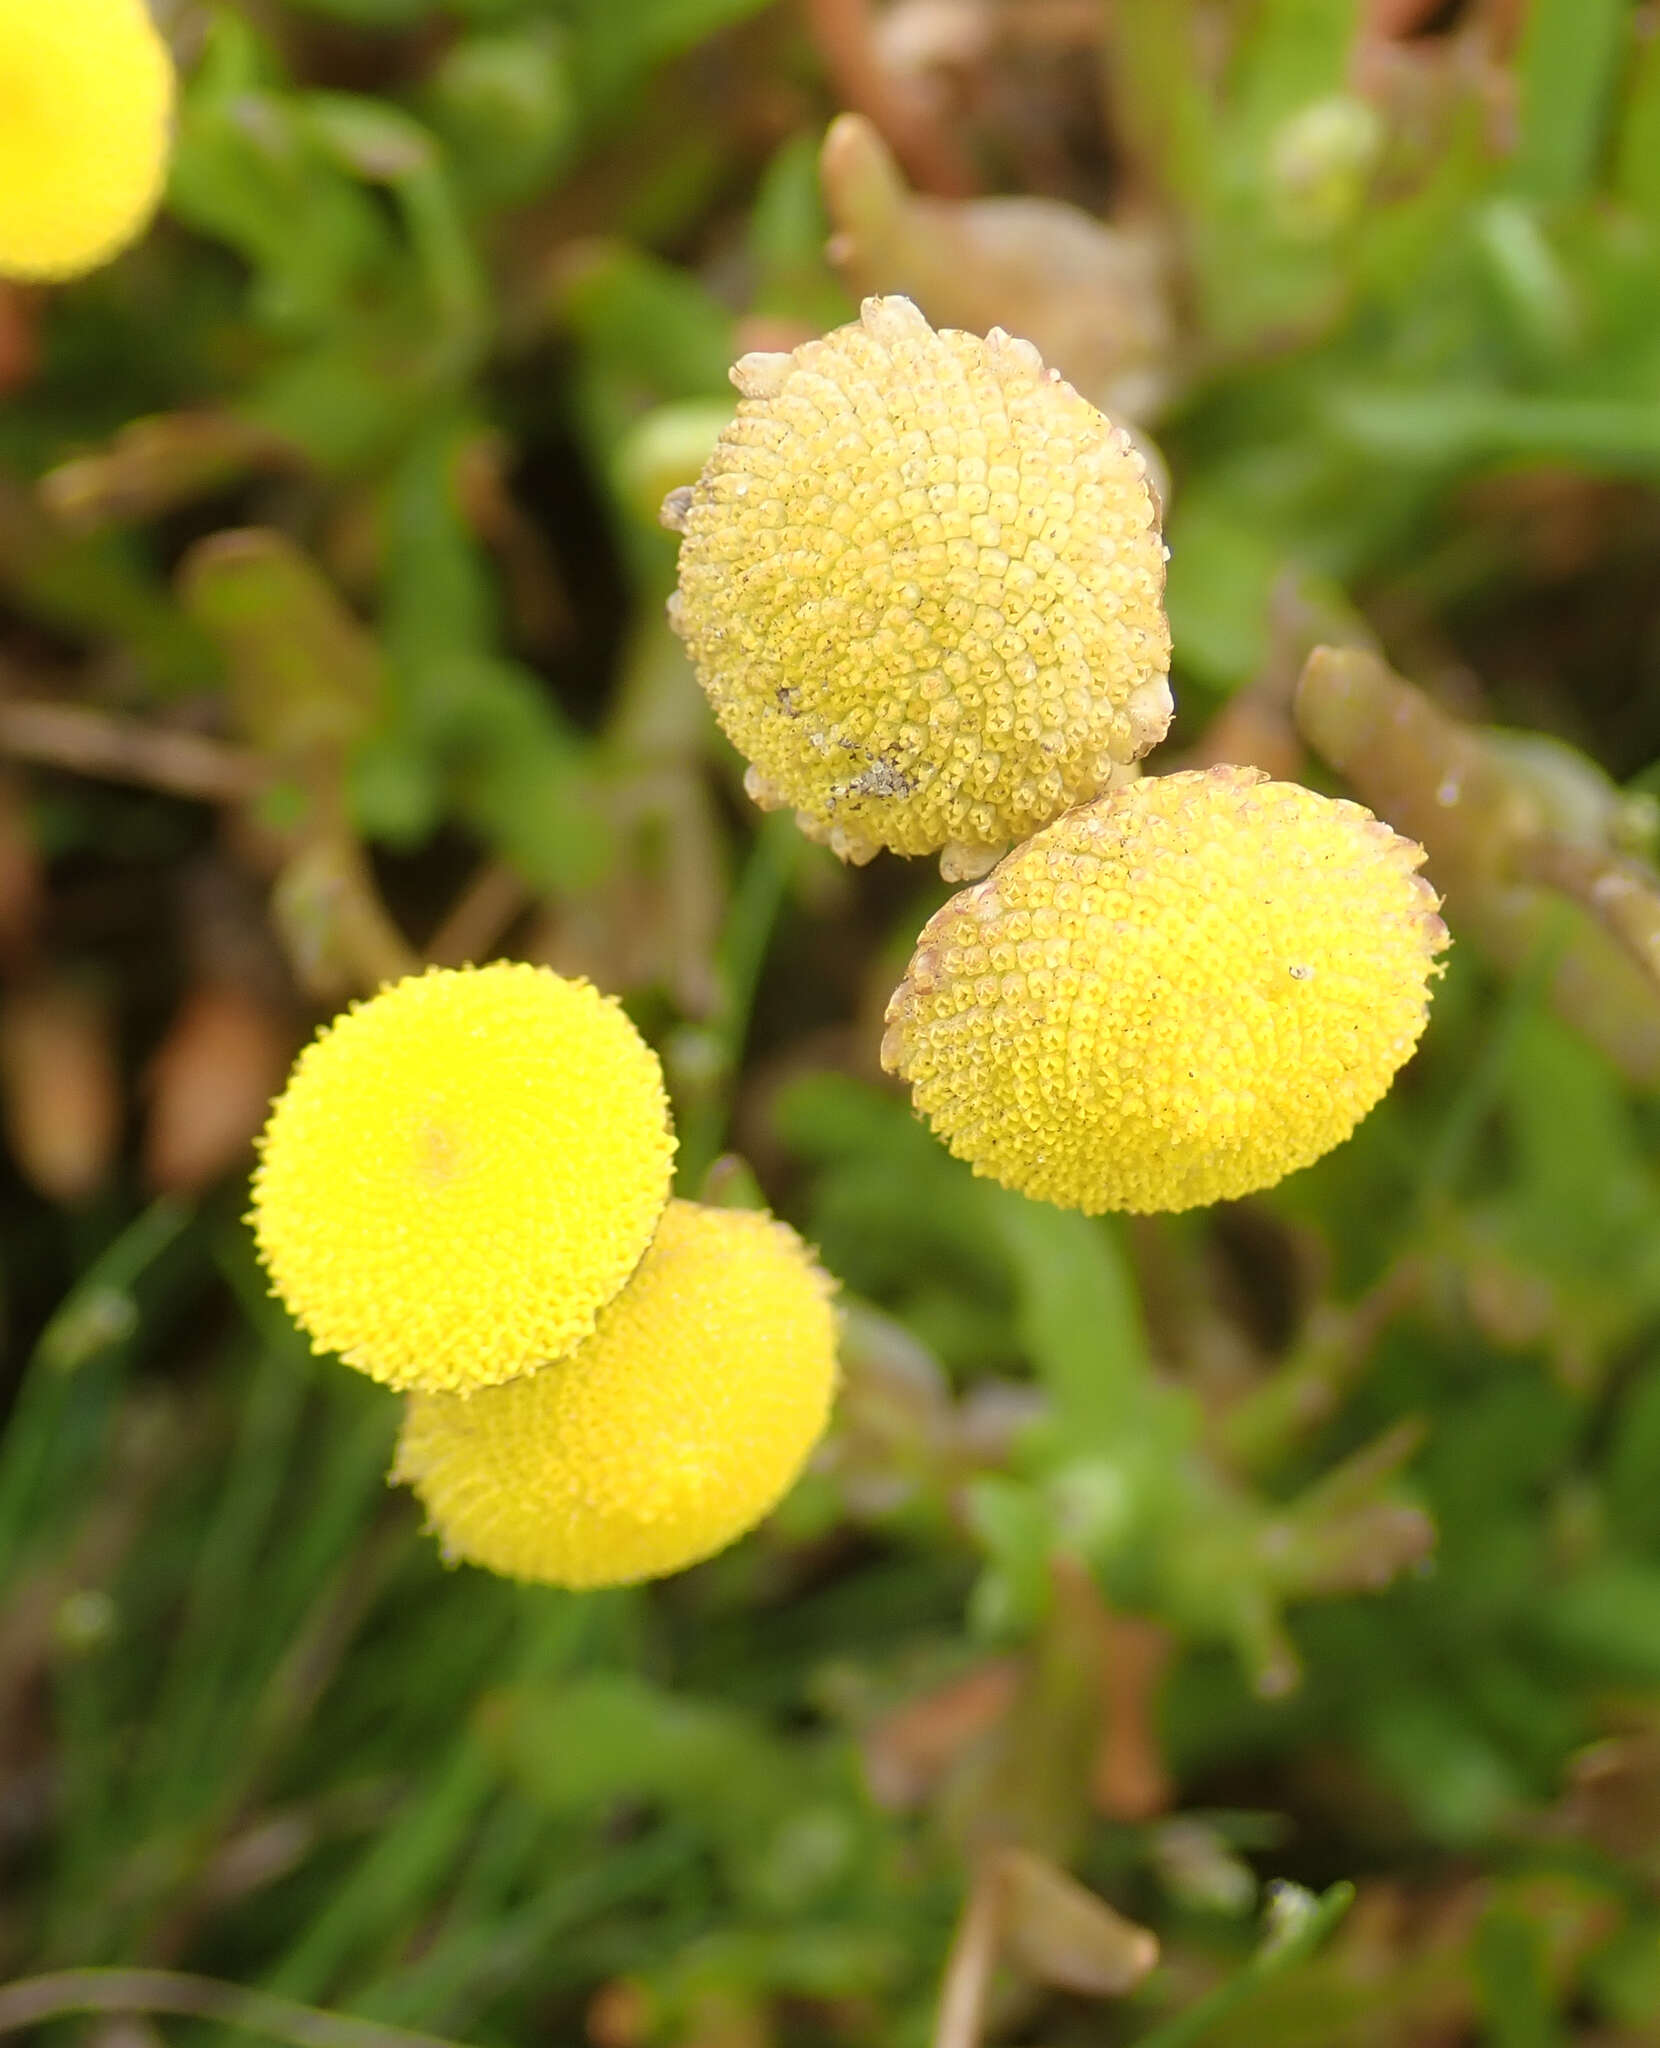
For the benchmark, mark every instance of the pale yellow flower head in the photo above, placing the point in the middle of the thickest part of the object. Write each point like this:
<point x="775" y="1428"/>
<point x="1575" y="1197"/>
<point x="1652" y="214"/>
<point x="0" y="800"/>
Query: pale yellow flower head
<point x="681" y="1422"/>
<point x="921" y="581"/>
<point x="461" y="1173"/>
<point x="1175" y="995"/>
<point x="86" y="108"/>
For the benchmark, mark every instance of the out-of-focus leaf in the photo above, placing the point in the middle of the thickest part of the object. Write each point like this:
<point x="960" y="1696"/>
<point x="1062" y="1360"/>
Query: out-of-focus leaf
<point x="1634" y="1459"/>
<point x="1095" y="299"/>
<point x="787" y="231"/>
<point x="59" y="1086"/>
<point x="648" y="321"/>
<point x="1160" y="98"/>
<point x="387" y="14"/>
<point x="1297" y="1923"/>
<point x="490" y="729"/>
<point x="1569" y="57"/>
<point x="615" y="46"/>
<point x="210" y="1085"/>
<point x="1637" y="165"/>
<point x="1608" y="1617"/>
<point x="523" y="779"/>
<point x="664" y="451"/>
<point x="608" y="1740"/>
<point x="1061" y="1933"/>
<point x="1078" y="1319"/>
<point x="248" y="170"/>
<point x="385" y="146"/>
<point x="1293" y="56"/>
<point x="1583" y="1205"/>
<point x="96" y="585"/>
<point x="156" y="464"/>
<point x="303" y="673"/>
<point x="1510" y="1961"/>
<point x="505" y="104"/>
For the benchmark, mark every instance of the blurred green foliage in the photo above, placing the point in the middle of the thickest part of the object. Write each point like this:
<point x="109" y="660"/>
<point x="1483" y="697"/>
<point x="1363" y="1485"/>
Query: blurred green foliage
<point x="1290" y="1574"/>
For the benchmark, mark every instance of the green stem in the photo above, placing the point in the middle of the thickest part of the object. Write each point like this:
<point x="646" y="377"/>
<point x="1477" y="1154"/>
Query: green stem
<point x="756" y="903"/>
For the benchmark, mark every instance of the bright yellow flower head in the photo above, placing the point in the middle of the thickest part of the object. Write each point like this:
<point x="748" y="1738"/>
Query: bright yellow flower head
<point x="681" y="1422"/>
<point x="921" y="581"/>
<point x="1174" y="995"/>
<point x="460" y="1174"/>
<point x="86" y="107"/>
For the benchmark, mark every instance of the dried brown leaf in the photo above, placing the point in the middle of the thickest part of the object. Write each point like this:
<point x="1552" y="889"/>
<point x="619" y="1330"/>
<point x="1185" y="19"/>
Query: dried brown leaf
<point x="209" y="1086"/>
<point x="61" y="1086"/>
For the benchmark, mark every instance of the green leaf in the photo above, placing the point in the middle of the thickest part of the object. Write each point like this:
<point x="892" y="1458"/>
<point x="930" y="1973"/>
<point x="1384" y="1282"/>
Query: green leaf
<point x="303" y="673"/>
<point x="1078" y="1317"/>
<point x="615" y="46"/>
<point x="1569" y="61"/>
<point x="1512" y="1967"/>
<point x="1298" y="1923"/>
<point x="1607" y="1618"/>
<point x="608" y="1739"/>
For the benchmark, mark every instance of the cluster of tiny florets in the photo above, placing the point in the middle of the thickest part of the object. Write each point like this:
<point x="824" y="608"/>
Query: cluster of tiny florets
<point x="86" y="106"/>
<point x="461" y="1173"/>
<point x="680" y="1422"/>
<point x="921" y="581"/>
<point x="1174" y="995"/>
<point x="464" y="1189"/>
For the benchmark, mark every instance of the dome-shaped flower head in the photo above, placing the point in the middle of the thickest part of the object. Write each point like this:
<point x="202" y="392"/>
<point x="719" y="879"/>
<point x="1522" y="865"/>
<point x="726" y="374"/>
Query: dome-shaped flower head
<point x="461" y="1173"/>
<point x="86" y="106"/>
<point x="1176" y="994"/>
<point x="921" y="581"/>
<point x="682" y="1420"/>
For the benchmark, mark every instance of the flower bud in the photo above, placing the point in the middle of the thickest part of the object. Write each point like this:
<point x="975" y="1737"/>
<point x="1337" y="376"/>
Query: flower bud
<point x="86" y="106"/>
<point x="681" y="1421"/>
<point x="1175" y="995"/>
<point x="921" y="581"/>
<point x="461" y="1172"/>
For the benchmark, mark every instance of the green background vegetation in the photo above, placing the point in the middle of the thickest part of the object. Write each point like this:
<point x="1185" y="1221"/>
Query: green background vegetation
<point x="1223" y="1561"/>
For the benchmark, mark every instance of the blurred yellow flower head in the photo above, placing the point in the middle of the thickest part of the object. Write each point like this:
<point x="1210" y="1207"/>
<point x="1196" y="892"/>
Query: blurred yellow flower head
<point x="460" y="1174"/>
<point x="921" y="581"/>
<point x="680" y="1423"/>
<point x="1174" y="995"/>
<point x="86" y="106"/>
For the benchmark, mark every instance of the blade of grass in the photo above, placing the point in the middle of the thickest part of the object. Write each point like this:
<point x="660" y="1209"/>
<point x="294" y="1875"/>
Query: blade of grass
<point x="1569" y="61"/>
<point x="90" y="1329"/>
<point x="1276" y="1956"/>
<point x="398" y="1877"/>
<point x="1449" y="1157"/>
<point x="34" y="2000"/>
<point x="208" y="1646"/>
<point x="756" y="903"/>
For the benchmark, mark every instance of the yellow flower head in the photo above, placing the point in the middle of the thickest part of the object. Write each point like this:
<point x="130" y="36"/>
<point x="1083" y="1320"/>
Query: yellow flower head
<point x="86" y="106"/>
<point x="460" y="1174"/>
<point x="921" y="581"/>
<point x="1174" y="995"/>
<point x="684" y="1418"/>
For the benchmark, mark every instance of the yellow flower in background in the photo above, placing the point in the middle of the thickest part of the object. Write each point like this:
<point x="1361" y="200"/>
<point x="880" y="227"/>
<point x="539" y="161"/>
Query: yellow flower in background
<point x="86" y="107"/>
<point x="682" y="1421"/>
<point x="460" y="1174"/>
<point x="921" y="581"/>
<point x="1177" y="994"/>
